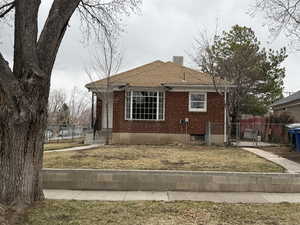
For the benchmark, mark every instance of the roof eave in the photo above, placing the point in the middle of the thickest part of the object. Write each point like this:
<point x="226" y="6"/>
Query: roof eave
<point x="200" y="85"/>
<point x="101" y="88"/>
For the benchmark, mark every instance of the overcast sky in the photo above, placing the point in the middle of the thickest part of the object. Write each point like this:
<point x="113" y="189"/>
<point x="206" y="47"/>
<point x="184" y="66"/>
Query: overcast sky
<point x="161" y="29"/>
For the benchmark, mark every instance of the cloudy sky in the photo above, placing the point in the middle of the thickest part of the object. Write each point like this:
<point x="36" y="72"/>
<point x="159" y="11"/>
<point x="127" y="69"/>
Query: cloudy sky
<point x="161" y="30"/>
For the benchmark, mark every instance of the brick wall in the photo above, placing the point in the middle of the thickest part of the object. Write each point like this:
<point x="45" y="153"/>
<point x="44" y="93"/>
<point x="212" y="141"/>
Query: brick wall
<point x="176" y="109"/>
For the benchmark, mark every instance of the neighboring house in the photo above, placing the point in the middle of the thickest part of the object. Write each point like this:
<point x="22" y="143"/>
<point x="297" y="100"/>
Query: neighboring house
<point x="160" y="103"/>
<point x="289" y="105"/>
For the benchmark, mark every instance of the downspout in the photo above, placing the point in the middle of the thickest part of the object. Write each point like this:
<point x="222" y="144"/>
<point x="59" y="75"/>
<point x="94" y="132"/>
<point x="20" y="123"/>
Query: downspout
<point x="225" y="115"/>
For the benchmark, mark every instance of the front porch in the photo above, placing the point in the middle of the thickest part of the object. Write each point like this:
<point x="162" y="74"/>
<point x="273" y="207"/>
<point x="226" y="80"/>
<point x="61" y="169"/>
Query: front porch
<point x="101" y="121"/>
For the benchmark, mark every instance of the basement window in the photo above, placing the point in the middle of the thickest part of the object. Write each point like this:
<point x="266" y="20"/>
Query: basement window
<point x="145" y="105"/>
<point x="197" y="102"/>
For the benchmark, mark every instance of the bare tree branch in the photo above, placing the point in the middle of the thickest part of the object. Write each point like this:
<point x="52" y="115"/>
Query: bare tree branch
<point x="106" y="58"/>
<point x="53" y="32"/>
<point x="26" y="29"/>
<point x="6" y="8"/>
<point x="78" y="106"/>
<point x="7" y="80"/>
<point x="283" y="16"/>
<point x="97" y="16"/>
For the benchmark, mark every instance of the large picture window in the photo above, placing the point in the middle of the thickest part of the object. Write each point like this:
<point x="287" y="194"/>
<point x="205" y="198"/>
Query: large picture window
<point x="198" y="102"/>
<point x="145" y="105"/>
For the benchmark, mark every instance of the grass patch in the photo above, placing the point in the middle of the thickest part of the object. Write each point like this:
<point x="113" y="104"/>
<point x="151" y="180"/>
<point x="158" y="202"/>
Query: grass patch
<point x="57" y="146"/>
<point x="193" y="158"/>
<point x="160" y="213"/>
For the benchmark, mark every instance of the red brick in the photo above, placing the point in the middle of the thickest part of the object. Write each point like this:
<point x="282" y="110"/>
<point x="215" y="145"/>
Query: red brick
<point x="176" y="109"/>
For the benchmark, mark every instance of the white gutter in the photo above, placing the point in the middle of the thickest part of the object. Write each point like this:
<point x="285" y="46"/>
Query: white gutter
<point x="197" y="86"/>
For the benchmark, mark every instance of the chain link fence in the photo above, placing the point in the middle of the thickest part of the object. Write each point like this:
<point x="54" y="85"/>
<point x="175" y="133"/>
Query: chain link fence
<point x="247" y="133"/>
<point x="62" y="133"/>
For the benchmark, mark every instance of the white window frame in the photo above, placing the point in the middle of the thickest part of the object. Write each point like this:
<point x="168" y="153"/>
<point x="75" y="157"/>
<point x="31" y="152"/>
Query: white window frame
<point x="190" y="102"/>
<point x="157" y="109"/>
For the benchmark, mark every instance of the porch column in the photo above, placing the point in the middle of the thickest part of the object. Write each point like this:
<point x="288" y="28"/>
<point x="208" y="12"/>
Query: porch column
<point x="92" y="111"/>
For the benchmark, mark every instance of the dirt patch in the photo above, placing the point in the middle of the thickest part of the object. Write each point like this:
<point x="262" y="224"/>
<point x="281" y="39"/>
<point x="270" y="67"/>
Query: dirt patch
<point x="3" y="215"/>
<point x="79" y="155"/>
<point x="120" y="157"/>
<point x="11" y="216"/>
<point x="179" y="163"/>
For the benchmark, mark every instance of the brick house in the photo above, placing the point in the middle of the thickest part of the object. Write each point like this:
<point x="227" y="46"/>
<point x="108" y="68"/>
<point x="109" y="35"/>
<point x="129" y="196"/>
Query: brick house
<point x="159" y="103"/>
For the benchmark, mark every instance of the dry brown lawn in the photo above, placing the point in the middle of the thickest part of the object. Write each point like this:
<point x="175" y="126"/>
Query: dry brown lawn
<point x="188" y="158"/>
<point x="160" y="213"/>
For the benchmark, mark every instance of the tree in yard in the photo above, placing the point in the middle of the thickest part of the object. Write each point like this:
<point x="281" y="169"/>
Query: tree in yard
<point x="63" y="116"/>
<point x="79" y="107"/>
<point x="238" y="57"/>
<point x="283" y="15"/>
<point x="24" y="89"/>
<point x="105" y="62"/>
<point x="56" y="99"/>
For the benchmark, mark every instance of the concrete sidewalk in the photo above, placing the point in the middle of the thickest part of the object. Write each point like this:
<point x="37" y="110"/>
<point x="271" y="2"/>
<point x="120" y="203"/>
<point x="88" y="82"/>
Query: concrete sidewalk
<point x="76" y="148"/>
<point x="290" y="166"/>
<point x="172" y="196"/>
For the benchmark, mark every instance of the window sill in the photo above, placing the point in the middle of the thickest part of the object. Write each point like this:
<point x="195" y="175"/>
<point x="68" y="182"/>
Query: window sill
<point x="156" y="121"/>
<point x="197" y="111"/>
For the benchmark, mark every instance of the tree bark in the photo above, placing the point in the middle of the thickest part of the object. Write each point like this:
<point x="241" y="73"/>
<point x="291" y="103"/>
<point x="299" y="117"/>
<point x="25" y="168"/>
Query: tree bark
<point x="21" y="147"/>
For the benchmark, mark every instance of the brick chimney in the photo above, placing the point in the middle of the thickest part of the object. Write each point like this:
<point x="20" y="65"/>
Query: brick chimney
<point x="178" y="60"/>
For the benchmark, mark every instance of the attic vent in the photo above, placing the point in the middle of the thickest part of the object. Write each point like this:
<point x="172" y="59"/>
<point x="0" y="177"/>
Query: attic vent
<point x="178" y="60"/>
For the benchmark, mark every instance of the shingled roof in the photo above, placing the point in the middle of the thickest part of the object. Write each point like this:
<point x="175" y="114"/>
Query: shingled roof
<point x="156" y="74"/>
<point x="287" y="100"/>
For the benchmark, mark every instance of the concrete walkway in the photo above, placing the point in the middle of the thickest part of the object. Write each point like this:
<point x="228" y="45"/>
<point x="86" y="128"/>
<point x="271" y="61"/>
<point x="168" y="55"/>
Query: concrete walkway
<point x="172" y="196"/>
<point x="253" y="144"/>
<point x="290" y="166"/>
<point x="76" y="148"/>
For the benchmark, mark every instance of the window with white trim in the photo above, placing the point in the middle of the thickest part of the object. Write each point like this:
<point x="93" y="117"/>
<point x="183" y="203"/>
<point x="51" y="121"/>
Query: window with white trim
<point x="197" y="102"/>
<point x="145" y="105"/>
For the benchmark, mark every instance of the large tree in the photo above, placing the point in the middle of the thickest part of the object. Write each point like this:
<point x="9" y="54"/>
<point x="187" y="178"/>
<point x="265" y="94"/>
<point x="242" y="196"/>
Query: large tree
<point x="24" y="89"/>
<point x="283" y="15"/>
<point x="238" y="57"/>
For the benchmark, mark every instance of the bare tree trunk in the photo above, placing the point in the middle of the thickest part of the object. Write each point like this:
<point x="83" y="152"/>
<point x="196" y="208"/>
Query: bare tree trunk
<point x="107" y="122"/>
<point x="24" y="93"/>
<point x="107" y="112"/>
<point x="21" y="145"/>
<point x="24" y="90"/>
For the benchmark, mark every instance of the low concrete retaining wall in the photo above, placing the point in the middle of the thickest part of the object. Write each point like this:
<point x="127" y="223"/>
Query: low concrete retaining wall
<point x="115" y="180"/>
